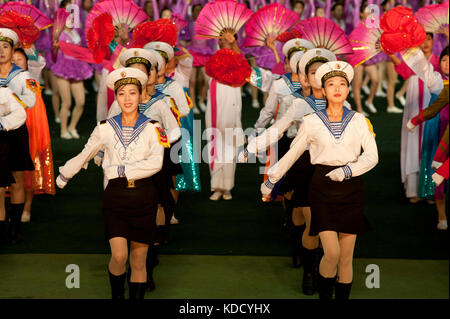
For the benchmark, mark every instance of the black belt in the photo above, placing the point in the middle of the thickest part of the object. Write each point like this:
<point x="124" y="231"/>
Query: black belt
<point x="130" y="183"/>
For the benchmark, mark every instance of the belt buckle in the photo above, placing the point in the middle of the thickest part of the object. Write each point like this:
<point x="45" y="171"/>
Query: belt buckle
<point x="131" y="184"/>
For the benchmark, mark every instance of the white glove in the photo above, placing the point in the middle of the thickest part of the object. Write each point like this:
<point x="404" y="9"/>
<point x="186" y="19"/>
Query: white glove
<point x="243" y="156"/>
<point x="266" y="188"/>
<point x="337" y="175"/>
<point x="410" y="126"/>
<point x="61" y="182"/>
<point x="98" y="159"/>
<point x="437" y="179"/>
<point x="435" y="165"/>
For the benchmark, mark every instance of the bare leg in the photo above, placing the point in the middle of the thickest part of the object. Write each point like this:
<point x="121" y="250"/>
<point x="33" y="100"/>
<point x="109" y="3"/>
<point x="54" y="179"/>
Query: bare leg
<point x="64" y="90"/>
<point x="402" y="90"/>
<point x="440" y="206"/>
<point x="29" y="194"/>
<point x="204" y="86"/>
<point x="309" y="242"/>
<point x="297" y="217"/>
<point x="332" y="251"/>
<point x="392" y="80"/>
<point x="16" y="189"/>
<point x="119" y="255"/>
<point x="345" y="267"/>
<point x="357" y="83"/>
<point x="77" y="89"/>
<point x="192" y="86"/>
<point x="381" y="75"/>
<point x="56" y="101"/>
<point x="374" y="80"/>
<point x="138" y="256"/>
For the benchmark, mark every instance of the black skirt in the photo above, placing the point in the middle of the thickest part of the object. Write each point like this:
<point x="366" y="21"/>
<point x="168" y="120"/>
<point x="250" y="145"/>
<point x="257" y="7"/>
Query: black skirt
<point x="172" y="167"/>
<point x="131" y="212"/>
<point x="298" y="179"/>
<point x="336" y="206"/>
<point x="19" y="150"/>
<point x="6" y="177"/>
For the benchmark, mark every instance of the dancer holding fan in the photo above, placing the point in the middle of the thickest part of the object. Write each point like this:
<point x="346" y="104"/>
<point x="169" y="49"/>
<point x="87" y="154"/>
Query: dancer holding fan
<point x="229" y="71"/>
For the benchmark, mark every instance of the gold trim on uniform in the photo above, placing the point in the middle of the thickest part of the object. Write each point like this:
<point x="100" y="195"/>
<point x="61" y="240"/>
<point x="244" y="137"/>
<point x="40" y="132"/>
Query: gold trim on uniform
<point x="126" y="81"/>
<point x="295" y="49"/>
<point x="137" y="59"/>
<point x="316" y="59"/>
<point x="6" y="39"/>
<point x="20" y="101"/>
<point x="163" y="54"/>
<point x="332" y="74"/>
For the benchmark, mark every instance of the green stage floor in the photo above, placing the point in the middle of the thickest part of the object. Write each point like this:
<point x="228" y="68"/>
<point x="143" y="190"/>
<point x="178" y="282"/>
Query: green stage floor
<point x="222" y="277"/>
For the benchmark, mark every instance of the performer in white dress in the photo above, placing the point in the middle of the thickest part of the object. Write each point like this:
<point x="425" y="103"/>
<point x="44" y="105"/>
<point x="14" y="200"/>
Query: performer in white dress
<point x="335" y="137"/>
<point x="133" y="155"/>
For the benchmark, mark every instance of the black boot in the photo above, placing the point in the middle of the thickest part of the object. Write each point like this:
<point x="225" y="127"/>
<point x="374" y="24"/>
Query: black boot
<point x="326" y="286"/>
<point x="15" y="235"/>
<point x="342" y="291"/>
<point x="117" y="285"/>
<point x="287" y="224"/>
<point x="151" y="263"/>
<point x="309" y="285"/>
<point x="297" y="248"/>
<point x="3" y="231"/>
<point x="137" y="290"/>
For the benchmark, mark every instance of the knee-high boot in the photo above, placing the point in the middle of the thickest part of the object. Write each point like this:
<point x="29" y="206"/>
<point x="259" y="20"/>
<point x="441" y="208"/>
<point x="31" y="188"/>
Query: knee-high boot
<point x="342" y="291"/>
<point x="117" y="285"/>
<point x="136" y="290"/>
<point x="151" y="263"/>
<point x="297" y="246"/>
<point x="309" y="284"/>
<point x="15" y="234"/>
<point x="326" y="287"/>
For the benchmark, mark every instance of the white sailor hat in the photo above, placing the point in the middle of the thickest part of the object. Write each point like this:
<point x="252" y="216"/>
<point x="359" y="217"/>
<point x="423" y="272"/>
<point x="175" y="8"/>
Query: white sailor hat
<point x="159" y="59"/>
<point x="138" y="55"/>
<point x="332" y="69"/>
<point x="294" y="60"/>
<point x="296" y="44"/>
<point x="315" y="55"/>
<point x="123" y="76"/>
<point x="162" y="48"/>
<point x="9" y="36"/>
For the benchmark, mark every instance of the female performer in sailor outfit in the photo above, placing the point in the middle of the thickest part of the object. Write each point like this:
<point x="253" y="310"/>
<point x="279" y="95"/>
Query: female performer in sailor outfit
<point x="20" y="84"/>
<point x="133" y="154"/>
<point x="335" y="137"/>
<point x="299" y="175"/>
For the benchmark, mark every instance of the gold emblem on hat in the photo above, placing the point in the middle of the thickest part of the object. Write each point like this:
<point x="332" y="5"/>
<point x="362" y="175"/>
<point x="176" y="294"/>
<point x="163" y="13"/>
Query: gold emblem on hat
<point x="297" y="42"/>
<point x="136" y="53"/>
<point x="157" y="46"/>
<point x="123" y="74"/>
<point x="338" y="66"/>
<point x="318" y="52"/>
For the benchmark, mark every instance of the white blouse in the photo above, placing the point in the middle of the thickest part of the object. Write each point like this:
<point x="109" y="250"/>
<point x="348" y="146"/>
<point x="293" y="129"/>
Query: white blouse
<point x="293" y="116"/>
<point x="22" y="84"/>
<point x="12" y="113"/>
<point x="175" y="90"/>
<point x="333" y="144"/>
<point x="279" y="93"/>
<point x="139" y="157"/>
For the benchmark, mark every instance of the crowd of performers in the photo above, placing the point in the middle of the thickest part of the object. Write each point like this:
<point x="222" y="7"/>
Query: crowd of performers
<point x="155" y="64"/>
